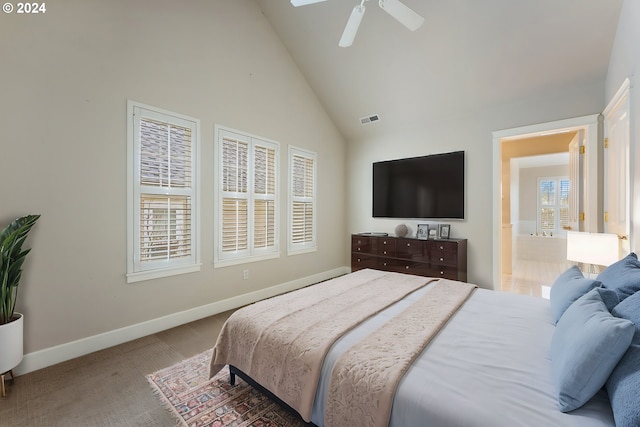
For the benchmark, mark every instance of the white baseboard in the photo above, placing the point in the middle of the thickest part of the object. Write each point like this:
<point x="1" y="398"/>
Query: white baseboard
<point x="63" y="352"/>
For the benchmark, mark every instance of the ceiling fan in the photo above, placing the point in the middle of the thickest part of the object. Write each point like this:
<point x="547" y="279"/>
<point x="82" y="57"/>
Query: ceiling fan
<point x="395" y="8"/>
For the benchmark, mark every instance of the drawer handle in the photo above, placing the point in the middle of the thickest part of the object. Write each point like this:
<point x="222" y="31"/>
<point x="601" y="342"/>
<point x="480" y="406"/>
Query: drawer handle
<point x="441" y="247"/>
<point x="385" y="242"/>
<point x="441" y="259"/>
<point x="358" y="259"/>
<point x="408" y="244"/>
<point x="406" y="267"/>
<point x="385" y="264"/>
<point x="442" y="273"/>
<point x="384" y="252"/>
<point x="358" y="249"/>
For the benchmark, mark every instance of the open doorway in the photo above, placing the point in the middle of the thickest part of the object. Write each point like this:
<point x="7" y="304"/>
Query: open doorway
<point x="537" y="203"/>
<point x="518" y="238"/>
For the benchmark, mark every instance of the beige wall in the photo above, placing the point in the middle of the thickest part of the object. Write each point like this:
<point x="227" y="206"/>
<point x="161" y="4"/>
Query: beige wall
<point x="65" y="79"/>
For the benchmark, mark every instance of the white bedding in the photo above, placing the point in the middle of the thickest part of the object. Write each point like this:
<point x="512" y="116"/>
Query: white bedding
<point x="489" y="366"/>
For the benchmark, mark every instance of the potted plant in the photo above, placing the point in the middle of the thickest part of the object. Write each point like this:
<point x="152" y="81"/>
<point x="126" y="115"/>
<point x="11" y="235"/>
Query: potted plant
<point x="12" y="257"/>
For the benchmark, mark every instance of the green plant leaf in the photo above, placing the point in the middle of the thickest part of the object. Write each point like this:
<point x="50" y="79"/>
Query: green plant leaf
<point x="12" y="258"/>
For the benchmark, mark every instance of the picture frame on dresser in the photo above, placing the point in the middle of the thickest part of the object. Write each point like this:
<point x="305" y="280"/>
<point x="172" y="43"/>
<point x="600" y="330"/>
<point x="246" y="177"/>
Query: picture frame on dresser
<point x="433" y="231"/>
<point x="422" y="231"/>
<point x="444" y="231"/>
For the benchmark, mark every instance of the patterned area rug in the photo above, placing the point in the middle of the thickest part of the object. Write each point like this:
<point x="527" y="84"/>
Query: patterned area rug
<point x="198" y="401"/>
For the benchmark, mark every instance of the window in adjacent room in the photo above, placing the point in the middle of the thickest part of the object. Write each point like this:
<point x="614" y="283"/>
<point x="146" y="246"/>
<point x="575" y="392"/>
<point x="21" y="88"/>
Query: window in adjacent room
<point x="302" y="201"/>
<point x="553" y="205"/>
<point x="162" y="233"/>
<point x="247" y="198"/>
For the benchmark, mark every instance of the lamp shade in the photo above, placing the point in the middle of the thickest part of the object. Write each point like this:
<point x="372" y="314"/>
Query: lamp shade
<point x="592" y="248"/>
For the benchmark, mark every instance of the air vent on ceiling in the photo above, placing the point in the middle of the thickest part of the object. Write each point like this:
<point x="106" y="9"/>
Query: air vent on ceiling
<point x="369" y="119"/>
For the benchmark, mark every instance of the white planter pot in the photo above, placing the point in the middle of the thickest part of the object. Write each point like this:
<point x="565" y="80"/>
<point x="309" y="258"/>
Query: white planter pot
<point x="11" y="344"/>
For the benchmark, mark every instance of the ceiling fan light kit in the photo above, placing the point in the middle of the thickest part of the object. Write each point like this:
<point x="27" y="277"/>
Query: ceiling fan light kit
<point x="395" y="8"/>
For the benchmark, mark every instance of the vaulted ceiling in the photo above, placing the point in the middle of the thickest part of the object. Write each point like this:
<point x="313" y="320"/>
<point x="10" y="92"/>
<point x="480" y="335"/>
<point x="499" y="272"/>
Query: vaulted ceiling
<point x="468" y="55"/>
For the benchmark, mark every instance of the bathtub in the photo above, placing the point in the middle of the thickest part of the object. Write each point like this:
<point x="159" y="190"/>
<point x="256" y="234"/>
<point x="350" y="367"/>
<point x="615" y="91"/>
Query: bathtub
<point x="541" y="248"/>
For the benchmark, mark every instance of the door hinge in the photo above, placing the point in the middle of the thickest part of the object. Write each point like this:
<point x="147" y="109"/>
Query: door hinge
<point x="582" y="149"/>
<point x="581" y="216"/>
<point x="606" y="217"/>
<point x="606" y="143"/>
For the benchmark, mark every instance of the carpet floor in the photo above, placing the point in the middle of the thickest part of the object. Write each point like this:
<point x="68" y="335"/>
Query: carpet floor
<point x="197" y="401"/>
<point x="107" y="388"/>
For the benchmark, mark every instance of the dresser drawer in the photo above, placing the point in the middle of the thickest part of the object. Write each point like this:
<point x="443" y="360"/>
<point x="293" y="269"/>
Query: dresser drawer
<point x="403" y="266"/>
<point x="412" y="249"/>
<point x="364" y="245"/>
<point x="386" y="247"/>
<point x="360" y="261"/>
<point x="444" y="272"/>
<point x="443" y="253"/>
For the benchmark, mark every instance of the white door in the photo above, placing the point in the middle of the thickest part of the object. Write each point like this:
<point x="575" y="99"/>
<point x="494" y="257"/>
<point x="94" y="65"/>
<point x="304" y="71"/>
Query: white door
<point x="576" y="210"/>
<point x="617" y="165"/>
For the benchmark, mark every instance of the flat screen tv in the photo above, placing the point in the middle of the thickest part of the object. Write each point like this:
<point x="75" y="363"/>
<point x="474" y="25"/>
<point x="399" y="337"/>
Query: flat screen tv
<point x="429" y="187"/>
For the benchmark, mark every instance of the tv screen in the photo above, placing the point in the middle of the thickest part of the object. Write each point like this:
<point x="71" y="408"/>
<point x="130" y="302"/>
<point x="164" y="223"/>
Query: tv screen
<point x="420" y="187"/>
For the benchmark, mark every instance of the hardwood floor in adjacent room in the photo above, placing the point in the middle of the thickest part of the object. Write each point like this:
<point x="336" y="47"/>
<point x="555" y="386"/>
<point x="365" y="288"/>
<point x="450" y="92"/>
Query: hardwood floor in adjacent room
<point x="533" y="277"/>
<point x="108" y="387"/>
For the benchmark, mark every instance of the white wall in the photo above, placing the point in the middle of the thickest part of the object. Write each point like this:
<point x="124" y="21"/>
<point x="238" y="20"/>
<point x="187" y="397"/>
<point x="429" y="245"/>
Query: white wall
<point x="65" y="80"/>
<point x="473" y="134"/>
<point x="625" y="63"/>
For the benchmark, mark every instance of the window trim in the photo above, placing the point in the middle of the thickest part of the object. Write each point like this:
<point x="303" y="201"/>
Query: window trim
<point x="134" y="273"/>
<point x="251" y="254"/>
<point x="301" y="248"/>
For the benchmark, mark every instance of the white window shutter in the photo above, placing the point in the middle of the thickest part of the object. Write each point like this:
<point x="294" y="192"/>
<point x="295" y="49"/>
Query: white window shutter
<point x="553" y="204"/>
<point x="247" y="196"/>
<point x="264" y="193"/>
<point x="302" y="226"/>
<point x="163" y="149"/>
<point x="235" y="232"/>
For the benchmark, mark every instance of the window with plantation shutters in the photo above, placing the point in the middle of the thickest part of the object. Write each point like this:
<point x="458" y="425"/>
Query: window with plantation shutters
<point x="302" y="200"/>
<point x="162" y="230"/>
<point x="247" y="194"/>
<point x="553" y="205"/>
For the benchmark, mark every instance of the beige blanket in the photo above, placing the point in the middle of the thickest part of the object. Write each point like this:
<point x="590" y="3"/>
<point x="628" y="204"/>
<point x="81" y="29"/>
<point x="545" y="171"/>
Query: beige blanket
<point x="281" y="342"/>
<point x="365" y="377"/>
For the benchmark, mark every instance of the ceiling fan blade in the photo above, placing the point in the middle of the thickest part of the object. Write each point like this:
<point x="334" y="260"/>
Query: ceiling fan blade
<point x="351" y="28"/>
<point x="402" y="13"/>
<point x="297" y="3"/>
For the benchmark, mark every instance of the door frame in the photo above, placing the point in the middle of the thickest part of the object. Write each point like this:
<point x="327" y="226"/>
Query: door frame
<point x="592" y="127"/>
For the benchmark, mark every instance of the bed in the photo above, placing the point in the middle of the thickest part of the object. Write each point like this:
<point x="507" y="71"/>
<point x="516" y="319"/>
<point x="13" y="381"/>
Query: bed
<point x="434" y="352"/>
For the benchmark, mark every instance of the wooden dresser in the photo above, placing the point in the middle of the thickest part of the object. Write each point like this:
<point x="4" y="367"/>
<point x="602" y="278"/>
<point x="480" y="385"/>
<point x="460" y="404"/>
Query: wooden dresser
<point x="433" y="258"/>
